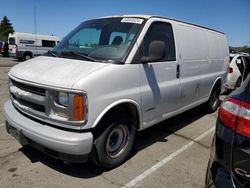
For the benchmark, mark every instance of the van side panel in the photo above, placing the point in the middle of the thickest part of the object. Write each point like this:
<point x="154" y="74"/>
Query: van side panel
<point x="113" y="84"/>
<point x="218" y="56"/>
<point x="202" y="55"/>
<point x="193" y="60"/>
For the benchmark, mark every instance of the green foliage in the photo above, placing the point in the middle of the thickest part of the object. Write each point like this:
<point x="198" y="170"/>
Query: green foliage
<point x="2" y="37"/>
<point x="5" y="28"/>
<point x="245" y="49"/>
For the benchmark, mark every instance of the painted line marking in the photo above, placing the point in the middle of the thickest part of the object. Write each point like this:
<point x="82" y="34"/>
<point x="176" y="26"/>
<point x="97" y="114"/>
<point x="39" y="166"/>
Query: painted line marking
<point x="164" y="161"/>
<point x="2" y="124"/>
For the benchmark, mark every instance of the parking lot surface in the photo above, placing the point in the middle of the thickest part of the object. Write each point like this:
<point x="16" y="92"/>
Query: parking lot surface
<point x="173" y="153"/>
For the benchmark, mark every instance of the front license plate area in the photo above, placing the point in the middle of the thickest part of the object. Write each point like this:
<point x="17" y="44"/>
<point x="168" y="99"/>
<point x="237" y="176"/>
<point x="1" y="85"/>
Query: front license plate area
<point x="17" y="134"/>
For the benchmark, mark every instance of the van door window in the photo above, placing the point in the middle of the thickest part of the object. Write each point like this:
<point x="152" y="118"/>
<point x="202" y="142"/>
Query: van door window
<point x="240" y="65"/>
<point x="12" y="41"/>
<point x="23" y="41"/>
<point x="160" y="31"/>
<point x="48" y="43"/>
<point x="247" y="66"/>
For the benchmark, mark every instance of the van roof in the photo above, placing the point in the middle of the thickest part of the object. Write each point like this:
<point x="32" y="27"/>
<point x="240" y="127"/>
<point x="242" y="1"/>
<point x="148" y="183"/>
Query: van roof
<point x="155" y="16"/>
<point x="32" y="35"/>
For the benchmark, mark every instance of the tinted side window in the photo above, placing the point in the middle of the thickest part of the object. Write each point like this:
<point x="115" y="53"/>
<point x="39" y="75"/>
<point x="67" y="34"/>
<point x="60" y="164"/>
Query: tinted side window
<point x="12" y="41"/>
<point x="22" y="41"/>
<point x="160" y="31"/>
<point x="240" y="64"/>
<point x="247" y="62"/>
<point x="48" y="43"/>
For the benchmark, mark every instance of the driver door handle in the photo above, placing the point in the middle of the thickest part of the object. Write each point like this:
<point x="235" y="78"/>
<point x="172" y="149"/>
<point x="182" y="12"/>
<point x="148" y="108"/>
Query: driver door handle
<point x="178" y="71"/>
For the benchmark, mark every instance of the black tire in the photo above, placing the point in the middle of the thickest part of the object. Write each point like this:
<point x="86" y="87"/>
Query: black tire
<point x="114" y="144"/>
<point x="214" y="100"/>
<point x="27" y="57"/>
<point x="238" y="83"/>
<point x="208" y="181"/>
<point x="20" y="59"/>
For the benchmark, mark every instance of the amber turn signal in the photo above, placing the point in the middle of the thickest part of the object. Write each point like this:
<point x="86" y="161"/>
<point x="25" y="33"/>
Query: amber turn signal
<point x="78" y="108"/>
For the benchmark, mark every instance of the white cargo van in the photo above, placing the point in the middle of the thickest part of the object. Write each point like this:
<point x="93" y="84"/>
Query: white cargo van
<point x="24" y="46"/>
<point x="109" y="78"/>
<point x="237" y="71"/>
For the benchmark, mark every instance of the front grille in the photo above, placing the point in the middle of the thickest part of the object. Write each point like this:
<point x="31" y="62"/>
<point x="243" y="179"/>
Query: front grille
<point x="31" y="105"/>
<point x="32" y="89"/>
<point x="31" y="100"/>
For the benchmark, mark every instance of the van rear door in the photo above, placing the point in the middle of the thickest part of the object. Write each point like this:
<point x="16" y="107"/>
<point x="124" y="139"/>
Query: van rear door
<point x="12" y="46"/>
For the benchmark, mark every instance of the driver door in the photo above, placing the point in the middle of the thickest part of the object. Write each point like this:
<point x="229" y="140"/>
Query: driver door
<point x="160" y="82"/>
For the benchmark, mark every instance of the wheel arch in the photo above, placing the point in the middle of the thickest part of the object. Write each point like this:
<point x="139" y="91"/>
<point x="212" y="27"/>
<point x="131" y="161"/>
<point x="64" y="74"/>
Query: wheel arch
<point x="126" y="105"/>
<point x="217" y="83"/>
<point x="28" y="53"/>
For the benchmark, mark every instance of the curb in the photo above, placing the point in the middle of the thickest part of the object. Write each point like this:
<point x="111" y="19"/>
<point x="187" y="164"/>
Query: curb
<point x="8" y="65"/>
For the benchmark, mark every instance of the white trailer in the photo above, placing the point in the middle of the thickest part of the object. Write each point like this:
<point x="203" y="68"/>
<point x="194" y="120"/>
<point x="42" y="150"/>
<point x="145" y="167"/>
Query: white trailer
<point x="24" y="46"/>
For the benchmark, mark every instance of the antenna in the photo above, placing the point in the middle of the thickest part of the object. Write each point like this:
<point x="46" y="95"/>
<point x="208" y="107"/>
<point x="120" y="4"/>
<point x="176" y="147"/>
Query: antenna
<point x="35" y="26"/>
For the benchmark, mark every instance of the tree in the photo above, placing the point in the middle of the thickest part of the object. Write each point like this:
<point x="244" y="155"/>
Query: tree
<point x="245" y="49"/>
<point x="5" y="28"/>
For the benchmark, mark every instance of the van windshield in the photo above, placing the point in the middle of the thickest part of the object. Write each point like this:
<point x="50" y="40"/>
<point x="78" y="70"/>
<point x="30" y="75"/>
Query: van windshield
<point x="100" y="39"/>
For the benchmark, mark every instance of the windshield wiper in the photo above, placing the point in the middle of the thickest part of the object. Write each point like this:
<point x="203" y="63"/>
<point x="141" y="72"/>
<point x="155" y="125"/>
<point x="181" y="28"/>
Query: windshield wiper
<point x="52" y="53"/>
<point x="112" y="61"/>
<point x="80" y="55"/>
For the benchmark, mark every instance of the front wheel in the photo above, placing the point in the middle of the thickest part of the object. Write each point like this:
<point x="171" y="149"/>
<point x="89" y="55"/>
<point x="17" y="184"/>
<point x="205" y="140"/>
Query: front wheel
<point x="115" y="143"/>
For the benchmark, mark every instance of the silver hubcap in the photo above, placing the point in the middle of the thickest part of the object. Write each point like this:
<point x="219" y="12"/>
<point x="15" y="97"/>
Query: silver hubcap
<point x="27" y="57"/>
<point x="117" y="141"/>
<point x="214" y="100"/>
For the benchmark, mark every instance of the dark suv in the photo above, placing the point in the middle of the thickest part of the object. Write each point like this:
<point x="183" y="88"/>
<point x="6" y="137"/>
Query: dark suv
<point x="229" y="164"/>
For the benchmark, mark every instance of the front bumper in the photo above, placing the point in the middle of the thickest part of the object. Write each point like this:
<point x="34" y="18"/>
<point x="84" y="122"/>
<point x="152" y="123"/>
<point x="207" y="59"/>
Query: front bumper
<point x="61" y="141"/>
<point x="19" y="54"/>
<point x="12" y="54"/>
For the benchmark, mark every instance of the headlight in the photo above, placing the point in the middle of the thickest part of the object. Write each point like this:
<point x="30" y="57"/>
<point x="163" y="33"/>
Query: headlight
<point x="62" y="99"/>
<point x="69" y="106"/>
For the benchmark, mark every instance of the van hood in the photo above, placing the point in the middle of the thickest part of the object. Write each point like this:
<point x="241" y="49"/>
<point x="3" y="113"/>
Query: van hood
<point x="53" y="71"/>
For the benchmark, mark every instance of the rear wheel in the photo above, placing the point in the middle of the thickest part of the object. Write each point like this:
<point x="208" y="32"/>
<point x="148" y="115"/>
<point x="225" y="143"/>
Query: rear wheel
<point x="214" y="100"/>
<point x="208" y="180"/>
<point x="27" y="57"/>
<point x="115" y="143"/>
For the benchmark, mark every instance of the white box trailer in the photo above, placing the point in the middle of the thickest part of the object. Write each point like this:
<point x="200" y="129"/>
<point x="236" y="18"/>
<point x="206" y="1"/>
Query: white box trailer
<point x="24" y="46"/>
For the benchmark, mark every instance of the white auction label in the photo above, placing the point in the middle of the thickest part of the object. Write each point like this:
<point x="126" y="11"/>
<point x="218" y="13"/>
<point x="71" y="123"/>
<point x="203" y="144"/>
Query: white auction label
<point x="132" y="20"/>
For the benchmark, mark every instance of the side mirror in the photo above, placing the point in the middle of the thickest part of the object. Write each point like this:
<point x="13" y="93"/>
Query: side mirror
<point x="156" y="52"/>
